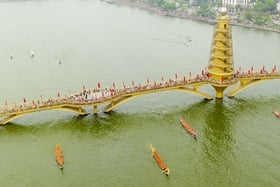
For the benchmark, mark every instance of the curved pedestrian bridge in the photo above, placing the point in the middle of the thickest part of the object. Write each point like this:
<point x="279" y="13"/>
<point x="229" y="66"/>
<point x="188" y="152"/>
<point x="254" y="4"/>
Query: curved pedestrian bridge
<point x="114" y="97"/>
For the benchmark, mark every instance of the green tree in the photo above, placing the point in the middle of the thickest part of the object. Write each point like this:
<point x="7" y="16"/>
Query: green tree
<point x="265" y="6"/>
<point x="219" y="3"/>
<point x="206" y="12"/>
<point x="259" y="6"/>
<point x="169" y="6"/>
<point x="238" y="7"/>
<point x="248" y="15"/>
<point x="270" y="5"/>
<point x="201" y="3"/>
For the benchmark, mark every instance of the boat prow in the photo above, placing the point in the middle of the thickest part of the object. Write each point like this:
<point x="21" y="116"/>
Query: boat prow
<point x="159" y="161"/>
<point x="277" y="114"/>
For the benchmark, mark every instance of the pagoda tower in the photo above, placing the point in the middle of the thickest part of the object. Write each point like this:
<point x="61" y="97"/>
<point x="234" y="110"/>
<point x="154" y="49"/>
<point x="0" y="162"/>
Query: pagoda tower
<point x="220" y="67"/>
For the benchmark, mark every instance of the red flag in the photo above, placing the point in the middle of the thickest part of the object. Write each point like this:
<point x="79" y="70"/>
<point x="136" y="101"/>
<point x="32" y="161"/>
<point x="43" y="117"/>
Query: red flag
<point x="98" y="85"/>
<point x="24" y="100"/>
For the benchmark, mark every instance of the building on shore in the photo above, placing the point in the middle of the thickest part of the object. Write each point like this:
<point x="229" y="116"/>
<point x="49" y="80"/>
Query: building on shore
<point x="235" y="2"/>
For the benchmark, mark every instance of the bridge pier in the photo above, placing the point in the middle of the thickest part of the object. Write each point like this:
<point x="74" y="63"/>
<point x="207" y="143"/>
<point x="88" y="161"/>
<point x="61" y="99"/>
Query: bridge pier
<point x="95" y="111"/>
<point x="219" y="91"/>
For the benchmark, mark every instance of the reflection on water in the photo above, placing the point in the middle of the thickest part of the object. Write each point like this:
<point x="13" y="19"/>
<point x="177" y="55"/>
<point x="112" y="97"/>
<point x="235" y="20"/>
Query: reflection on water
<point x="218" y="133"/>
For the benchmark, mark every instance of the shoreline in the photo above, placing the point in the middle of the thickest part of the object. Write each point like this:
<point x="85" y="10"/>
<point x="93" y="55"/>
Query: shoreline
<point x="184" y="15"/>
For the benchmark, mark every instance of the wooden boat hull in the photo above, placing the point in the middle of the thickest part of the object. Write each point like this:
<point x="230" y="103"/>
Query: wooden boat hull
<point x="188" y="128"/>
<point x="159" y="161"/>
<point x="59" y="156"/>
<point x="277" y="114"/>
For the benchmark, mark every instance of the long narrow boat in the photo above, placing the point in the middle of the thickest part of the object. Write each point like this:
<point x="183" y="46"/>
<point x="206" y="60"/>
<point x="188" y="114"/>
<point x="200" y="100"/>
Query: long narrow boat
<point x="277" y="114"/>
<point x="188" y="128"/>
<point x="159" y="161"/>
<point x="59" y="156"/>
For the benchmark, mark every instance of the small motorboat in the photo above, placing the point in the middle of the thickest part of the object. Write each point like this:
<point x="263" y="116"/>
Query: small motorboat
<point x="188" y="128"/>
<point x="277" y="114"/>
<point x="159" y="161"/>
<point x="59" y="156"/>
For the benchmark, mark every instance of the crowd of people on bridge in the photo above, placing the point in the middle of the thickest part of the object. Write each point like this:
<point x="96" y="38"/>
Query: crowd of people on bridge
<point x="102" y="95"/>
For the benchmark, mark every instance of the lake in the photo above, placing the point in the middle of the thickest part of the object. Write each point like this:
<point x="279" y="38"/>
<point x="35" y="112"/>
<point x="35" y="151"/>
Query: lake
<point x="79" y="43"/>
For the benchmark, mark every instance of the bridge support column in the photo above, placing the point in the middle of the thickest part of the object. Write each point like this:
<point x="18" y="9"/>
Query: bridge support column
<point x="95" y="109"/>
<point x="219" y="91"/>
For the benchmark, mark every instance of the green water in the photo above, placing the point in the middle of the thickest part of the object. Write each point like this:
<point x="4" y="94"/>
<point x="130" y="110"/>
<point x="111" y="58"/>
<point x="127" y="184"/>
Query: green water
<point x="238" y="138"/>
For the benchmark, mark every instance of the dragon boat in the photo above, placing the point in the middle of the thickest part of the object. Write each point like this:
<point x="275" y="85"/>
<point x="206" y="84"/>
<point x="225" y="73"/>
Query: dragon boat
<point x="59" y="156"/>
<point x="188" y="128"/>
<point x="159" y="161"/>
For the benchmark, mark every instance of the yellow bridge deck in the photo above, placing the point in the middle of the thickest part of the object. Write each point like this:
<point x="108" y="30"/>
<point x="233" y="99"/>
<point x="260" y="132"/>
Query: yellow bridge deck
<point x="120" y="96"/>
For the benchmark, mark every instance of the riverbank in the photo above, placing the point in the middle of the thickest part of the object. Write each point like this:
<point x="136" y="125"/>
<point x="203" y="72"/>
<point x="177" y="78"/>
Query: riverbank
<point x="186" y="15"/>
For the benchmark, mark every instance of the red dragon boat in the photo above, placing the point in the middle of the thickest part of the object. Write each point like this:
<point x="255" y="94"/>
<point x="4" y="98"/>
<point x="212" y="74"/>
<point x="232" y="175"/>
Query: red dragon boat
<point x="159" y="161"/>
<point x="58" y="156"/>
<point x="277" y="114"/>
<point x="188" y="128"/>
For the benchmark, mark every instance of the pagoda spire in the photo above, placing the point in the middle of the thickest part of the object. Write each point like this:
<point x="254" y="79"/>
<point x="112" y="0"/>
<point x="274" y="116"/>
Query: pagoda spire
<point x="220" y="67"/>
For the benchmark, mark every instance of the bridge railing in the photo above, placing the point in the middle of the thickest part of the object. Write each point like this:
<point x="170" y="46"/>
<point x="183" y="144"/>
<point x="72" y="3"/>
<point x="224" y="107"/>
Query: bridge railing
<point x="96" y="98"/>
<point x="100" y="96"/>
<point x="265" y="73"/>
